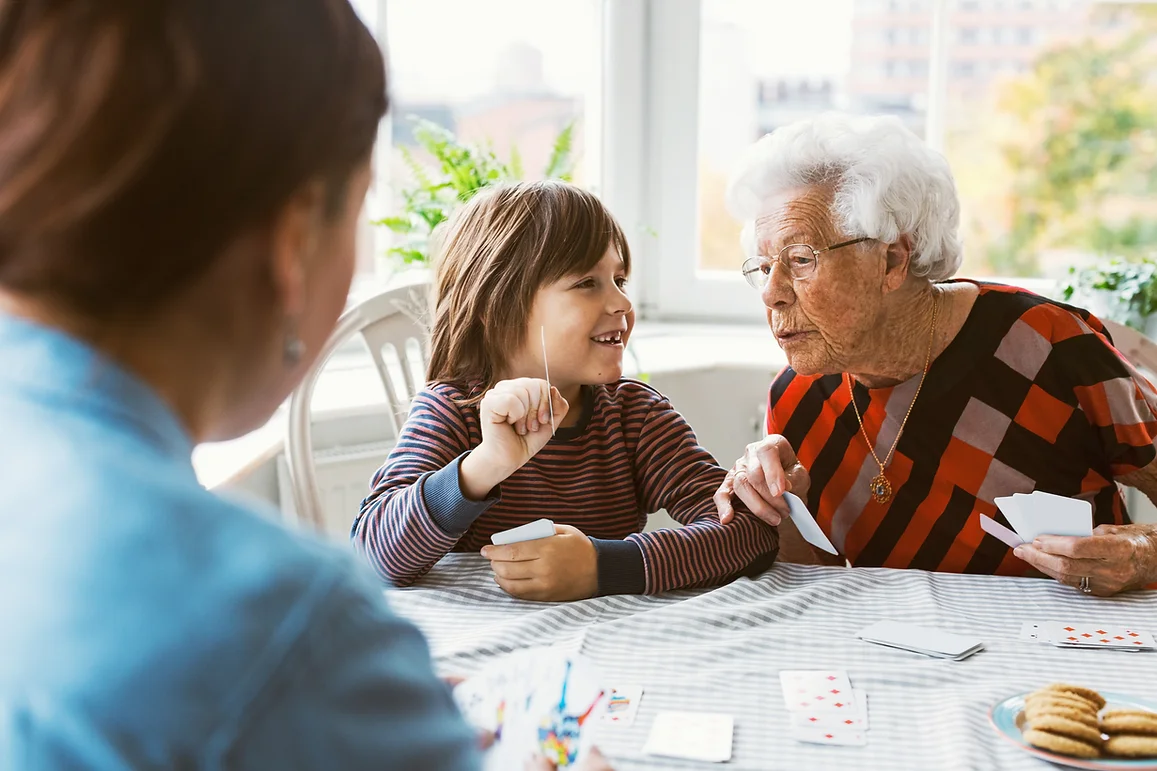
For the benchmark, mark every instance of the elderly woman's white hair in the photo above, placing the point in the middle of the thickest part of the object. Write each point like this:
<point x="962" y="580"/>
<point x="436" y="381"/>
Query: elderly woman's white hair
<point x="887" y="182"/>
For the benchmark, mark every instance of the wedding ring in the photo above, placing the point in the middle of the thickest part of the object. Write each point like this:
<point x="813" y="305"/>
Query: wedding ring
<point x="1084" y="587"/>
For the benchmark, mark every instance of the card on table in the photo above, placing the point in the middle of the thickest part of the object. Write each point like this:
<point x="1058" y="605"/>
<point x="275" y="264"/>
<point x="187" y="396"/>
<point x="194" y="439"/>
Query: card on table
<point x="702" y="736"/>
<point x="806" y="524"/>
<point x="531" y="531"/>
<point x="923" y="640"/>
<point x="623" y="705"/>
<point x="829" y="720"/>
<point x="818" y="690"/>
<point x="837" y="737"/>
<point x="1086" y="635"/>
<point x="1099" y="636"/>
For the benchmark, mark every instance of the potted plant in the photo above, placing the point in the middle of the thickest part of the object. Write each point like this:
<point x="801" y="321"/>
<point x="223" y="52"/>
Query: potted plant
<point x="1119" y="290"/>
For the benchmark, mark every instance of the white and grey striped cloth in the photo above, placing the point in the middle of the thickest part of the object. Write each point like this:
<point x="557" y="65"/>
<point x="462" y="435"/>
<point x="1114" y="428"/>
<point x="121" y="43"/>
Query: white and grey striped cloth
<point x="722" y="650"/>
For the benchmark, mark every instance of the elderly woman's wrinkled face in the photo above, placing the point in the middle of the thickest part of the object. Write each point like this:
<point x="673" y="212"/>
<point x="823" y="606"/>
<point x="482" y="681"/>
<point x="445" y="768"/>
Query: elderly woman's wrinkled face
<point x="822" y="322"/>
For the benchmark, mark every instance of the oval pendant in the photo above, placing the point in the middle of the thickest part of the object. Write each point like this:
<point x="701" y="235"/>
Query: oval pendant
<point x="881" y="489"/>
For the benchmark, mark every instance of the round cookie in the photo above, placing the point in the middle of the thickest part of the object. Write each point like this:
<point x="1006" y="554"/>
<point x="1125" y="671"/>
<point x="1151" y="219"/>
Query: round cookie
<point x="1088" y="694"/>
<point x="1051" y="703"/>
<point x="1062" y="744"/>
<point x="1074" y="729"/>
<point x="1038" y="710"/>
<point x="1132" y="746"/>
<point x="1129" y="721"/>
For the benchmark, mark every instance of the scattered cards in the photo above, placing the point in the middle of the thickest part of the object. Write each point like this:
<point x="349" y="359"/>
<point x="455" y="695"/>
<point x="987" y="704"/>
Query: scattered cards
<point x="531" y="531"/>
<point x="806" y="524"/>
<point x="824" y="708"/>
<point x="919" y="639"/>
<point x="702" y="736"/>
<point x="1081" y="634"/>
<point x="623" y="705"/>
<point x="1041" y="513"/>
<point x="534" y="702"/>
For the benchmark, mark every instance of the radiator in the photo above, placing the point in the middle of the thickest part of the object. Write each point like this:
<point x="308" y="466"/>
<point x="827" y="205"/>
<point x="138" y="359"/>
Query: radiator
<point x="343" y="480"/>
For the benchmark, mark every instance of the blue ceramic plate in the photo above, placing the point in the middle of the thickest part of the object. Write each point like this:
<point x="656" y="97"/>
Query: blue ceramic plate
<point x="1007" y="717"/>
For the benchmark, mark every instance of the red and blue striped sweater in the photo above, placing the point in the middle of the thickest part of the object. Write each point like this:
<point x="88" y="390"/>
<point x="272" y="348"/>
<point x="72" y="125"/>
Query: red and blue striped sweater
<point x="629" y="455"/>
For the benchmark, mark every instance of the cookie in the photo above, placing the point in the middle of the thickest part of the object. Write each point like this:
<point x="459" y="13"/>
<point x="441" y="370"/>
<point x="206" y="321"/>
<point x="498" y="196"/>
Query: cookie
<point x="1129" y="721"/>
<point x="1132" y="746"/>
<point x="1076" y="709"/>
<point x="1038" y="710"/>
<point x="1062" y="744"/>
<point x="1088" y="694"/>
<point x="1074" y="729"/>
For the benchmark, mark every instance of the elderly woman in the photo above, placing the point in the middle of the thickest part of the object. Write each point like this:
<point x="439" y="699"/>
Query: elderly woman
<point x="912" y="402"/>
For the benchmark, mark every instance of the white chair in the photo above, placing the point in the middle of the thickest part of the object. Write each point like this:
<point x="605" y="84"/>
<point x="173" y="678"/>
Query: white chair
<point x="392" y="327"/>
<point x="1137" y="348"/>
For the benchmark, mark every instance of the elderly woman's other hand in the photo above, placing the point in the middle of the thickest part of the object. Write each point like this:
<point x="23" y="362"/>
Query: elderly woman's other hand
<point x="759" y="479"/>
<point x="1113" y="559"/>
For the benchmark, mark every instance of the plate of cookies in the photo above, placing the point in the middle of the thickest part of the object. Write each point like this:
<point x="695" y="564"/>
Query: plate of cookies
<point x="1081" y="728"/>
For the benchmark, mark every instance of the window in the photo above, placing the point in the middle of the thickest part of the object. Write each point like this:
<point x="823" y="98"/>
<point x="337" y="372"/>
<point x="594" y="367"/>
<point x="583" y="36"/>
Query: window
<point x="968" y="35"/>
<point x="511" y="74"/>
<point x="1053" y="146"/>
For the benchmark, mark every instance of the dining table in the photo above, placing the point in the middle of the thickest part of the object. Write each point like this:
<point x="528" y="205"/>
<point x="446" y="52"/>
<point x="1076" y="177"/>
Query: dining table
<point x="721" y="649"/>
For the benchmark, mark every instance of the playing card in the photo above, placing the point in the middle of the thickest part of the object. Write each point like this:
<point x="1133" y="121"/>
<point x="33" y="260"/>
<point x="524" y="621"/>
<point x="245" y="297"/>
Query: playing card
<point x="1057" y="515"/>
<point x="534" y="702"/>
<point x="999" y="531"/>
<point x="806" y="524"/>
<point x="818" y="691"/>
<point x="828" y="720"/>
<point x="531" y="531"/>
<point x="623" y="705"/>
<point x="836" y="736"/>
<point x="693" y="735"/>
<point x="918" y="639"/>
<point x="1033" y="631"/>
<point x="1086" y="635"/>
<point x="1012" y="507"/>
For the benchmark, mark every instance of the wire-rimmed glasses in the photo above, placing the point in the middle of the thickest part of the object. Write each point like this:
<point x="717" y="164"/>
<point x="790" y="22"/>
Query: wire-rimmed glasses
<point x="799" y="259"/>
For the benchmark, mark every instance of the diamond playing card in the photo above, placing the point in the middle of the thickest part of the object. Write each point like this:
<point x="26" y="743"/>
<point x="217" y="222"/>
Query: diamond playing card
<point x="1087" y="635"/>
<point x="818" y="690"/>
<point x="835" y="736"/>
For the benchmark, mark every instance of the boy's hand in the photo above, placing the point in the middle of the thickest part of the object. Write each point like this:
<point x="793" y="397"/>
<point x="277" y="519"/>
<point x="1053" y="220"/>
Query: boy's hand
<point x="515" y="417"/>
<point x="556" y="569"/>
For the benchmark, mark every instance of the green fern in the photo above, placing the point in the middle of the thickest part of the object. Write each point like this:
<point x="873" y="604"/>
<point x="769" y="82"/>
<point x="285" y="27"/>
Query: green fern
<point x="459" y="171"/>
<point x="559" y="166"/>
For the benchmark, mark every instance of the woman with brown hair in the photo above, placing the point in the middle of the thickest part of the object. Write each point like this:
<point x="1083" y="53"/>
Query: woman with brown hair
<point x="180" y="182"/>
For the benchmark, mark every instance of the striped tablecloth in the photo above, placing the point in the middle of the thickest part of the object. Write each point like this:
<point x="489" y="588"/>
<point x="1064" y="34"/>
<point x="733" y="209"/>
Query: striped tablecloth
<point x="722" y="650"/>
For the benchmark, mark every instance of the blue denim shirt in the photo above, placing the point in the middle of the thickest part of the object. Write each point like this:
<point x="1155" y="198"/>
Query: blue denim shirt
<point x="147" y="623"/>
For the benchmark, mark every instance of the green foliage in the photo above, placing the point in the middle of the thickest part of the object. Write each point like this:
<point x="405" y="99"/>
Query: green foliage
<point x="459" y="170"/>
<point x="1133" y="286"/>
<point x="1085" y="144"/>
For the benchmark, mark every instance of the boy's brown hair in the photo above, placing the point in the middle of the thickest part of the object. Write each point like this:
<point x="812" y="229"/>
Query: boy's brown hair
<point x="499" y="250"/>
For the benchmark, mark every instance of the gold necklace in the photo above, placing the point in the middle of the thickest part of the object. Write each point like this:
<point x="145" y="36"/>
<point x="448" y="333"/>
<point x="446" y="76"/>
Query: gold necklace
<point x="880" y="486"/>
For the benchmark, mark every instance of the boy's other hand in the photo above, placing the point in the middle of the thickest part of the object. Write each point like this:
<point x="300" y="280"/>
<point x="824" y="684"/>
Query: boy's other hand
<point x="556" y="569"/>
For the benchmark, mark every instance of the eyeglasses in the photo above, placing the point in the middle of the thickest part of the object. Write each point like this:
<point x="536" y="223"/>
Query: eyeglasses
<point x="799" y="259"/>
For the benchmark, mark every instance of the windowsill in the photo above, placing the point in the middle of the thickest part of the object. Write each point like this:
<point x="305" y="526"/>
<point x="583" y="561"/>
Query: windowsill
<point x="350" y="386"/>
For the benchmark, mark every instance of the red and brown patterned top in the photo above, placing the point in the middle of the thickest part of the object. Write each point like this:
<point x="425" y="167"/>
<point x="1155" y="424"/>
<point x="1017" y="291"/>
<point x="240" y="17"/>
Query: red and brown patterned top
<point x="1030" y="395"/>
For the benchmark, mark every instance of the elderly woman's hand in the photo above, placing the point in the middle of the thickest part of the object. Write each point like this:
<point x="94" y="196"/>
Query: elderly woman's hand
<point x="1113" y="559"/>
<point x="766" y="471"/>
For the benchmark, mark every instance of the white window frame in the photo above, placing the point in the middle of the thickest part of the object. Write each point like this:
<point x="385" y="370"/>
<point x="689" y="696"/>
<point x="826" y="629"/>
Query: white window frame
<point x="651" y="120"/>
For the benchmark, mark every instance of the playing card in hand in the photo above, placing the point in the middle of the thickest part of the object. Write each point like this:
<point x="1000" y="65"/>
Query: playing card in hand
<point x="536" y="702"/>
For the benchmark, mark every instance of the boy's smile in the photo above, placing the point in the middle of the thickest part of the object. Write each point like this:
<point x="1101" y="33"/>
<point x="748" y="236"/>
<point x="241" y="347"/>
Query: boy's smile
<point x="587" y="320"/>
